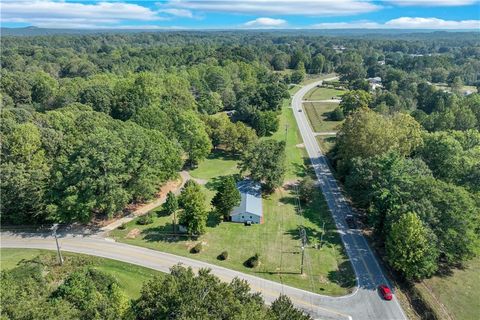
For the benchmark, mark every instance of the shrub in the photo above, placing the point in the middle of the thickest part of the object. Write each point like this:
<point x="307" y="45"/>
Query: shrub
<point x="197" y="249"/>
<point x="223" y="256"/>
<point x="145" y="219"/>
<point x="123" y="226"/>
<point x="253" y="262"/>
<point x="336" y="115"/>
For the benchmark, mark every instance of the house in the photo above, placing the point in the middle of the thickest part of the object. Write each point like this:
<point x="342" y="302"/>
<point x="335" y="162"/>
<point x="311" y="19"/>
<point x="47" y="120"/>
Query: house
<point x="250" y="208"/>
<point x="375" y="82"/>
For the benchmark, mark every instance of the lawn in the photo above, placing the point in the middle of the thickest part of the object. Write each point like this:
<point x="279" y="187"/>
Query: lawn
<point x="323" y="94"/>
<point x="276" y="241"/>
<point x="458" y="292"/>
<point x="327" y="270"/>
<point x="294" y="151"/>
<point x="317" y="113"/>
<point x="130" y="277"/>
<point x="217" y="162"/>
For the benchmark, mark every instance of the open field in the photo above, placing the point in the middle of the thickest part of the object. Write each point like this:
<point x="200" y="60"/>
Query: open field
<point x="317" y="113"/>
<point x="217" y="162"/>
<point x="327" y="270"/>
<point x="457" y="292"/>
<point x="464" y="89"/>
<point x="323" y="94"/>
<point x="130" y="277"/>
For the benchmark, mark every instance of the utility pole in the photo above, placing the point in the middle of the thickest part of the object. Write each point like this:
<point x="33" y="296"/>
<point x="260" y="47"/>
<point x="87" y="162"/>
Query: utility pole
<point x="54" y="229"/>
<point x="174" y="222"/>
<point x="321" y="237"/>
<point x="303" y="238"/>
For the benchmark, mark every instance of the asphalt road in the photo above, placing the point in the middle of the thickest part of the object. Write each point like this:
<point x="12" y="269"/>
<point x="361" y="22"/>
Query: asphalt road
<point x="364" y="303"/>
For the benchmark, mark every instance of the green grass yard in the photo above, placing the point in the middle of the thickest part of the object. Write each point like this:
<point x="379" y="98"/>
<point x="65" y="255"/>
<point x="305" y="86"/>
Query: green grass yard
<point x="130" y="277"/>
<point x="318" y="93"/>
<point x="317" y="113"/>
<point x="457" y="292"/>
<point x="276" y="241"/>
<point x="216" y="164"/>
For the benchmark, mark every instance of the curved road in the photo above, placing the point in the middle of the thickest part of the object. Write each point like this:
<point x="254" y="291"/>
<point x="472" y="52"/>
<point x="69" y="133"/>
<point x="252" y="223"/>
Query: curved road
<point x="364" y="303"/>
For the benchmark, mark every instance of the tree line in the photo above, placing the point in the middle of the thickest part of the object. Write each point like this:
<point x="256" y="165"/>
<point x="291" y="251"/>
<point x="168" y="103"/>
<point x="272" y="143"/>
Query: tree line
<point x="408" y="156"/>
<point x="32" y="290"/>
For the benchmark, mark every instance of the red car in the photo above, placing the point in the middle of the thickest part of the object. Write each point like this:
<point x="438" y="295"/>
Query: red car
<point x="385" y="292"/>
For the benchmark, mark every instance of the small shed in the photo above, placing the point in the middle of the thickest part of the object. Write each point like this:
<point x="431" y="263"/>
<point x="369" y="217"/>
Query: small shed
<point x="250" y="208"/>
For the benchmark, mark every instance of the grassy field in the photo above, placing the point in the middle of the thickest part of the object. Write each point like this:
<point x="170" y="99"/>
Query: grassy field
<point x="457" y="292"/>
<point x="276" y="241"/>
<point x="327" y="270"/>
<point x="130" y="277"/>
<point x="215" y="163"/>
<point x="323" y="94"/>
<point x="317" y="113"/>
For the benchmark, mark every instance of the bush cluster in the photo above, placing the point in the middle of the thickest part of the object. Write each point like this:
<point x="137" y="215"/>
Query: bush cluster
<point x="197" y="249"/>
<point x="145" y="219"/>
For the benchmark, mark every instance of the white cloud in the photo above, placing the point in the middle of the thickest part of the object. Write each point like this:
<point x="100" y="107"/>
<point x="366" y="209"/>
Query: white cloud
<point x="62" y="14"/>
<point x="433" y="3"/>
<point x="177" y="12"/>
<point x="431" y="23"/>
<point x="266" y="23"/>
<point x="347" y="25"/>
<point x="404" y="23"/>
<point x="278" y="7"/>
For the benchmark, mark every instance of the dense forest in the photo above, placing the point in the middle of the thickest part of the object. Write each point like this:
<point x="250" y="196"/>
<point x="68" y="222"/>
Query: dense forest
<point x="93" y="122"/>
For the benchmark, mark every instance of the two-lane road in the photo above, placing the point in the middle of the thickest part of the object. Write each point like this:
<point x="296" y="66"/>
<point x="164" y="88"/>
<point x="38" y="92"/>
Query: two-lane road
<point x="363" y="304"/>
<point x="366" y="302"/>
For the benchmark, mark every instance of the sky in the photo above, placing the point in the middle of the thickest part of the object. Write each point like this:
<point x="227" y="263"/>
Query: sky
<point x="242" y="14"/>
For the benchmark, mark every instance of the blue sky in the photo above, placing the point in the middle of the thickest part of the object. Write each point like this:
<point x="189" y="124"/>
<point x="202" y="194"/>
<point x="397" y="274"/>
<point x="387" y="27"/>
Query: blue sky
<point x="242" y="14"/>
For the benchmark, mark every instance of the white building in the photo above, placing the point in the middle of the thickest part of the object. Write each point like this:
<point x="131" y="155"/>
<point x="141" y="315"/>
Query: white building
<point x="250" y="208"/>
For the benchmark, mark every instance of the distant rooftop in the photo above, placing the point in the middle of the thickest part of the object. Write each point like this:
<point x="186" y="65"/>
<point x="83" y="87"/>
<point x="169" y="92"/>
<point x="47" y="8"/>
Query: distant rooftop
<point x="251" y="198"/>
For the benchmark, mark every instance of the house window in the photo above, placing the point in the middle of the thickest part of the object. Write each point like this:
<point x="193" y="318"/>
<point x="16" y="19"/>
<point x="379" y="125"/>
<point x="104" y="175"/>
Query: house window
<point x="250" y="217"/>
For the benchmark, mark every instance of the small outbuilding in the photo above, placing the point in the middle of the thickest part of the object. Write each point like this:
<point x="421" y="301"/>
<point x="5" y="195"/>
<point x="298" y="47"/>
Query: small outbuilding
<point x="250" y="209"/>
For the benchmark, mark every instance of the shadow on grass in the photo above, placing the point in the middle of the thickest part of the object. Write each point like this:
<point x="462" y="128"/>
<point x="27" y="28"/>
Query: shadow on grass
<point x="165" y="233"/>
<point x="213" y="183"/>
<point x="214" y="219"/>
<point x="344" y="277"/>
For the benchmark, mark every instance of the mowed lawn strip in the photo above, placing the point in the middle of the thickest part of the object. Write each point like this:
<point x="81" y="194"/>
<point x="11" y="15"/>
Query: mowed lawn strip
<point x="327" y="270"/>
<point x="319" y="93"/>
<point x="317" y="113"/>
<point x="130" y="277"/>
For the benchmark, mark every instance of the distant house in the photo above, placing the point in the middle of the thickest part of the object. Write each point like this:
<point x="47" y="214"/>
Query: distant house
<point x="375" y="82"/>
<point x="250" y="208"/>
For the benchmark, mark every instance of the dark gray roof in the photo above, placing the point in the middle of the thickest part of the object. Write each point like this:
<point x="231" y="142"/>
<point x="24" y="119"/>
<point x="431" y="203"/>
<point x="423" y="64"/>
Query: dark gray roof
<point x="251" y="202"/>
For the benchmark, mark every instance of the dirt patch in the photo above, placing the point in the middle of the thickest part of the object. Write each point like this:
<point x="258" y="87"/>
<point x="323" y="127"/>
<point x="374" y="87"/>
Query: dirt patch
<point x="300" y="145"/>
<point x="133" y="233"/>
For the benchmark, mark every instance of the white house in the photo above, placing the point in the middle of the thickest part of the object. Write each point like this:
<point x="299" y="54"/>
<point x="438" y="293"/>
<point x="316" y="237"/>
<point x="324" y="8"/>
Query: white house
<point x="250" y="208"/>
